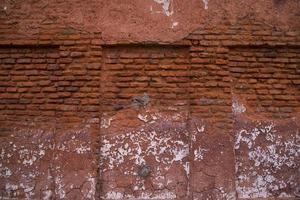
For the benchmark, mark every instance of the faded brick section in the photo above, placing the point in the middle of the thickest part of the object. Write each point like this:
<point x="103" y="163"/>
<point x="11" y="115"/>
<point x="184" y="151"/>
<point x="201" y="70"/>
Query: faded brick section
<point x="144" y="135"/>
<point x="50" y="81"/>
<point x="212" y="157"/>
<point x="75" y="161"/>
<point x="160" y="72"/>
<point x="50" y="120"/>
<point x="267" y="79"/>
<point x="266" y="108"/>
<point x="28" y="87"/>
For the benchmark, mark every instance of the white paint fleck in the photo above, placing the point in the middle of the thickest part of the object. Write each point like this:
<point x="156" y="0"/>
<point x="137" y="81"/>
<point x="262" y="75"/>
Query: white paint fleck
<point x="166" y="6"/>
<point x="60" y="187"/>
<point x="179" y="154"/>
<point x="205" y="4"/>
<point x="5" y="172"/>
<point x="143" y="117"/>
<point x="174" y="24"/>
<point x="114" y="195"/>
<point x="82" y="149"/>
<point x="247" y="137"/>
<point x="29" y="161"/>
<point x="199" y="153"/>
<point x="238" y="108"/>
<point x="226" y="195"/>
<point x="42" y="152"/>
<point x="105" y="122"/>
<point x="9" y="186"/>
<point x="186" y="167"/>
<point x="47" y="195"/>
<point x="92" y="181"/>
<point x="165" y="195"/>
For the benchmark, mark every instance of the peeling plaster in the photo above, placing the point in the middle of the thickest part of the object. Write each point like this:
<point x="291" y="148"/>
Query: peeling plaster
<point x="116" y="151"/>
<point x="22" y="164"/>
<point x="150" y="141"/>
<point x="258" y="173"/>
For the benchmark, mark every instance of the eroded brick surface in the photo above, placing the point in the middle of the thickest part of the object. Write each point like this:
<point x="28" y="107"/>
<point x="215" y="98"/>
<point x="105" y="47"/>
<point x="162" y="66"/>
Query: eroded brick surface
<point x="75" y="161"/>
<point x="41" y="161"/>
<point x="186" y="161"/>
<point x="212" y="162"/>
<point x="93" y="105"/>
<point x="267" y="158"/>
<point x="26" y="160"/>
<point x="132" y="140"/>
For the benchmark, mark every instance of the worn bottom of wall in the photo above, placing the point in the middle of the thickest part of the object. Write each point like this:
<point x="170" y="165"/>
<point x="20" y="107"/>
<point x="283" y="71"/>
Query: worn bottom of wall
<point x="148" y="153"/>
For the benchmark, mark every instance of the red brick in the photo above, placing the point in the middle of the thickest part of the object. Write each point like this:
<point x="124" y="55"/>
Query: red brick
<point x="24" y="60"/>
<point x="200" y="60"/>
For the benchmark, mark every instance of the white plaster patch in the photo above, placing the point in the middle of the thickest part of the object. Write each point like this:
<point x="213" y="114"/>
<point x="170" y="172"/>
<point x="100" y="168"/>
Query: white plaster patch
<point x="197" y="131"/>
<point x="174" y="24"/>
<point x="199" y="154"/>
<point x="226" y="195"/>
<point x="187" y="168"/>
<point x="205" y="4"/>
<point x="47" y="195"/>
<point x="105" y="122"/>
<point x="248" y="137"/>
<point x="181" y="153"/>
<point x="114" y="195"/>
<point x="5" y="172"/>
<point x="59" y="190"/>
<point x="143" y="118"/>
<point x="166" y="4"/>
<point x="92" y="191"/>
<point x="82" y="149"/>
<point x="164" y="194"/>
<point x="238" y="108"/>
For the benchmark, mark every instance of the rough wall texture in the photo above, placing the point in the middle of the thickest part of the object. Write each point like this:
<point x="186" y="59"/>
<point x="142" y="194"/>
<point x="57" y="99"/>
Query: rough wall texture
<point x="156" y="99"/>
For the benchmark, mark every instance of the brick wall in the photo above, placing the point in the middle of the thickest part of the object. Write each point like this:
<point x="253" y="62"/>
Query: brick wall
<point x="267" y="78"/>
<point x="161" y="72"/>
<point x="219" y="93"/>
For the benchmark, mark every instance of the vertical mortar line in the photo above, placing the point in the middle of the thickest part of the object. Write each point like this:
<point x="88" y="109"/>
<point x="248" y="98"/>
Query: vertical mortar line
<point x="54" y="151"/>
<point x="101" y="110"/>
<point x="190" y="156"/>
<point x="232" y="120"/>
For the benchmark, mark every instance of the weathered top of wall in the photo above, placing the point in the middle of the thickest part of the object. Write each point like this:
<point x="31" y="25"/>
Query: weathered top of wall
<point x="136" y="20"/>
